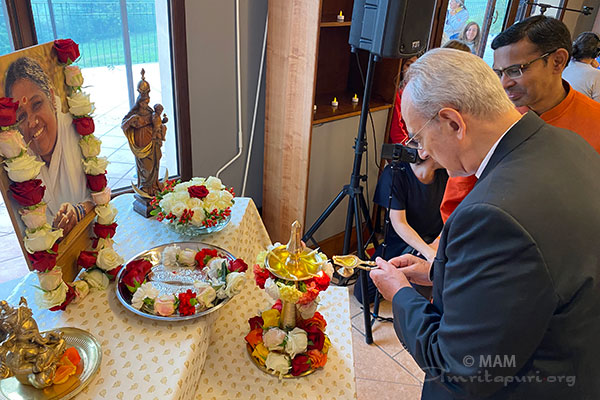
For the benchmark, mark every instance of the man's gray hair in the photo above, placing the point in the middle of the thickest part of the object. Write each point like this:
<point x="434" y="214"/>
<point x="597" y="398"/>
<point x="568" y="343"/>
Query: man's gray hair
<point x="455" y="79"/>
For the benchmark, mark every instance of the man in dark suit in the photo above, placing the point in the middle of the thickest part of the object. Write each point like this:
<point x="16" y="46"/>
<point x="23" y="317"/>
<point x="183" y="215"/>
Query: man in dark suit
<point x="516" y="279"/>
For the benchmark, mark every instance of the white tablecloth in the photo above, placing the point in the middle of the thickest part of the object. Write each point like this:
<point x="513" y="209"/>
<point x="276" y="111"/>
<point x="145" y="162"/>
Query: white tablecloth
<point x="146" y="359"/>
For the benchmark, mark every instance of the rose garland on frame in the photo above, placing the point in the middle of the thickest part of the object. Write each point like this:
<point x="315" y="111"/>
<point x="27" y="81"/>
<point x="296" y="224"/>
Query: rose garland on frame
<point x="23" y="168"/>
<point x="223" y="279"/>
<point x="304" y="347"/>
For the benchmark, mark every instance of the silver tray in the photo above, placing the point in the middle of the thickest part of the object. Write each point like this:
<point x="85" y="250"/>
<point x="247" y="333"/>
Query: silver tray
<point x="91" y="356"/>
<point x="168" y="282"/>
<point x="192" y="230"/>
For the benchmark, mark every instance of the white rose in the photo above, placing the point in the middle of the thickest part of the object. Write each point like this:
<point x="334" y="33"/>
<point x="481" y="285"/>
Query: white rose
<point x="272" y="289"/>
<point x="50" y="280"/>
<point x="90" y="146"/>
<point x="215" y="266"/>
<point x="210" y="201"/>
<point x="197" y="181"/>
<point x="193" y="202"/>
<point x="235" y="283"/>
<point x="170" y="256"/>
<point x="178" y="209"/>
<point x="95" y="278"/>
<point x="187" y="257"/>
<point x="73" y="76"/>
<point x="53" y="298"/>
<point x="80" y="104"/>
<point x="273" y="339"/>
<point x="34" y="219"/>
<point x="108" y="259"/>
<point x="102" y="197"/>
<point x="225" y="200"/>
<point x="205" y="294"/>
<point x="279" y="363"/>
<point x="41" y="239"/>
<point x="327" y="268"/>
<point x="180" y="197"/>
<point x="296" y="342"/>
<point x="23" y="168"/>
<point x="95" y="165"/>
<point x="167" y="202"/>
<point x="144" y="291"/>
<point x="213" y="183"/>
<point x="308" y="310"/>
<point x="106" y="213"/>
<point x="81" y="290"/>
<point x="104" y="244"/>
<point x="199" y="216"/>
<point x="11" y="143"/>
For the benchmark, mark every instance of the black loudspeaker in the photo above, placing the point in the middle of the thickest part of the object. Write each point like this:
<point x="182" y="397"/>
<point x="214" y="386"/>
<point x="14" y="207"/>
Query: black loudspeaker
<point x="391" y="28"/>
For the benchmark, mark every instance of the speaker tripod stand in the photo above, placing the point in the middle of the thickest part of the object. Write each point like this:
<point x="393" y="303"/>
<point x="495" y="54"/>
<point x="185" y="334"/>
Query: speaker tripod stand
<point x="358" y="212"/>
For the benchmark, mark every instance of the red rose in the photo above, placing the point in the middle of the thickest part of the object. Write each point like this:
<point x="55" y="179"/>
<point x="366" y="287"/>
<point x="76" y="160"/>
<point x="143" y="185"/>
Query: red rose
<point x="237" y="266"/>
<point x="203" y="256"/>
<point x="300" y="364"/>
<point x="278" y="305"/>
<point x="68" y="299"/>
<point x="8" y="111"/>
<point x="96" y="183"/>
<point x="185" y="303"/>
<point x="198" y="191"/>
<point x="322" y="281"/>
<point x="45" y="260"/>
<point x="256" y="322"/>
<point x="84" y="125"/>
<point x="135" y="272"/>
<point x="67" y="50"/>
<point x="112" y="274"/>
<point x="28" y="193"/>
<point x="260" y="275"/>
<point x="316" y="336"/>
<point x="104" y="231"/>
<point x="87" y="259"/>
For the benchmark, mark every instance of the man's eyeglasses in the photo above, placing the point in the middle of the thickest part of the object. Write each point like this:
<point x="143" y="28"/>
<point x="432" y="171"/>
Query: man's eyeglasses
<point x="412" y="142"/>
<point x="516" y="71"/>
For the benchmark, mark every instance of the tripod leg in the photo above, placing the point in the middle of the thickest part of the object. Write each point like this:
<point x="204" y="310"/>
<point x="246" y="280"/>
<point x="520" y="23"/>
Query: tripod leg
<point x="338" y="199"/>
<point x="363" y="273"/>
<point x="349" y="218"/>
<point x="365" y="210"/>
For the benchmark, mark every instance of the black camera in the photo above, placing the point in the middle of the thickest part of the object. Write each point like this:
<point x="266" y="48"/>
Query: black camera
<point x="398" y="152"/>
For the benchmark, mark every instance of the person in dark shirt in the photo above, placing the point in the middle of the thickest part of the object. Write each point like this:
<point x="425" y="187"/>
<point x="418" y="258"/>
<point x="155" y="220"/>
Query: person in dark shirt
<point x="415" y="217"/>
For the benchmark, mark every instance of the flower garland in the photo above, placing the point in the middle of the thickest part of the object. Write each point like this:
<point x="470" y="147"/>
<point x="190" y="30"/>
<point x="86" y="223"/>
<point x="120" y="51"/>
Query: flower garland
<point x="223" y="279"/>
<point x="199" y="202"/>
<point x="304" y="347"/>
<point x="23" y="169"/>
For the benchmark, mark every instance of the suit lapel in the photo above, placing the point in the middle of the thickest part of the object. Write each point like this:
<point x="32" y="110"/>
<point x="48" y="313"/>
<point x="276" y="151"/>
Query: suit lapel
<point x="529" y="124"/>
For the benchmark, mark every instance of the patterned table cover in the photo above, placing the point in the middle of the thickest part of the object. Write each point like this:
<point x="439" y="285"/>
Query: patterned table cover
<point x="147" y="359"/>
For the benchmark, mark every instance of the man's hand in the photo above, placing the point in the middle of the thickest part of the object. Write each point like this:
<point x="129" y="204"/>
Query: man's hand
<point x="414" y="268"/>
<point x="65" y="218"/>
<point x="388" y="279"/>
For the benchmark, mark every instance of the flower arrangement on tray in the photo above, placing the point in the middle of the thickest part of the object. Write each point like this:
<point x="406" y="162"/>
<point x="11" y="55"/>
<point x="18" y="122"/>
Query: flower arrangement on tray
<point x="289" y="339"/>
<point x="200" y="205"/>
<point x="214" y="277"/>
<point x="23" y="168"/>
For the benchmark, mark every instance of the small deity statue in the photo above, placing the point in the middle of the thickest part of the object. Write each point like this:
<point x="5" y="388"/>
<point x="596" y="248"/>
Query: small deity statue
<point x="24" y="352"/>
<point x="145" y="132"/>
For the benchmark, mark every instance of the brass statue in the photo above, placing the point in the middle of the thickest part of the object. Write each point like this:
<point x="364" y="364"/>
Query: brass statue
<point x="24" y="352"/>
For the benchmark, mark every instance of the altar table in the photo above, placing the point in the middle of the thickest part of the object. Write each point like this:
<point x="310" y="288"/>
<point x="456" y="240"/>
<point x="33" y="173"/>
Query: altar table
<point x="147" y="359"/>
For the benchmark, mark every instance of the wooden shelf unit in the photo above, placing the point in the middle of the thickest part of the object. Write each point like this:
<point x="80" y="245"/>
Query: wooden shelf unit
<point x="309" y="62"/>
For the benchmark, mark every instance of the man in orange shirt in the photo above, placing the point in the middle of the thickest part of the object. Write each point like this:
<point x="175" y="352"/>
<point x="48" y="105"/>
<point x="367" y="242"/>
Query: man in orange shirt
<point x="529" y="58"/>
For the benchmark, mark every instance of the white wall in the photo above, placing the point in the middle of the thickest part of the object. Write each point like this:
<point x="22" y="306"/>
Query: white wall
<point x="211" y="51"/>
<point x="577" y="22"/>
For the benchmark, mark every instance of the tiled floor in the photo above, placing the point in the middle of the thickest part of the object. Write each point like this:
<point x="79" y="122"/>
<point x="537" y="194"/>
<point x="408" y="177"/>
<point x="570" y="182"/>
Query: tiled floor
<point x="384" y="370"/>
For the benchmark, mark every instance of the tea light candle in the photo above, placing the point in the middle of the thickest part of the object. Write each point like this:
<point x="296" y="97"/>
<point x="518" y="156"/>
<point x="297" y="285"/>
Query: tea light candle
<point x="340" y="17"/>
<point x="315" y="108"/>
<point x="334" y="102"/>
<point x="355" y="99"/>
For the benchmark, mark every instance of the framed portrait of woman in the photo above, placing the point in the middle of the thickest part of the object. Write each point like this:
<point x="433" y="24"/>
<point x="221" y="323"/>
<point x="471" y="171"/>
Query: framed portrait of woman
<point x="34" y="77"/>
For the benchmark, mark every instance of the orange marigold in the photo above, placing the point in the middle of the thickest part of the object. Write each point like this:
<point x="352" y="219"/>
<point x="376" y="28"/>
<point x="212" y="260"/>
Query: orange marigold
<point x="317" y="358"/>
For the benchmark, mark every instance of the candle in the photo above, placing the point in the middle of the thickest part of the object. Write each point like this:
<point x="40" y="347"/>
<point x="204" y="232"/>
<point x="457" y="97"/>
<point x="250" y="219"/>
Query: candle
<point x="334" y="102"/>
<point x="340" y="17"/>
<point x="355" y="99"/>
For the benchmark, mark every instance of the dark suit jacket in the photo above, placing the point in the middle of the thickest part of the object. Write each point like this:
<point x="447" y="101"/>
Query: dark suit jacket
<point x="516" y="280"/>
